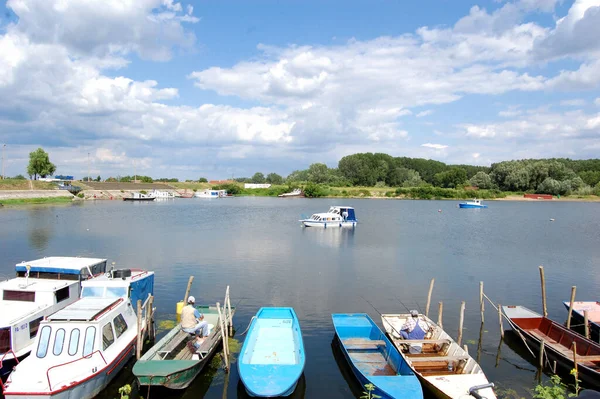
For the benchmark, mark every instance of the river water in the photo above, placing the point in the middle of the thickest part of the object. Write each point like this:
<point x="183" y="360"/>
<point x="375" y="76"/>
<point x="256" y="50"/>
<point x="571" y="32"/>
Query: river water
<point x="257" y="247"/>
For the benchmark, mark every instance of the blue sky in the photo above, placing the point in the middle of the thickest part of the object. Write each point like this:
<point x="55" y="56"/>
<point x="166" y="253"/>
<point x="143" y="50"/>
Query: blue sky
<point x="221" y="88"/>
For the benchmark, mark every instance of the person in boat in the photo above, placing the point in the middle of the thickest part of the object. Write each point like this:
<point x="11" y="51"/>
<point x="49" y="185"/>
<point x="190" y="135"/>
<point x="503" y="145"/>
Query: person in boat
<point x="345" y="215"/>
<point x="192" y="321"/>
<point x="414" y="328"/>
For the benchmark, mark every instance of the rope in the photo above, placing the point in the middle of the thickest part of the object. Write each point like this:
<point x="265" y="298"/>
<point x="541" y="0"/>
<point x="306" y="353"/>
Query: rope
<point x="253" y="317"/>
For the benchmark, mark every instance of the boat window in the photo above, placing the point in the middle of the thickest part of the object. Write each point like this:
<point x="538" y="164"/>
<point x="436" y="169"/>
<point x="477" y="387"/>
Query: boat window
<point x="108" y="337"/>
<point x="88" y="343"/>
<point x="24" y="296"/>
<point x="92" y="291"/>
<point x="34" y="325"/>
<point x="120" y="325"/>
<point x="59" y="341"/>
<point x="44" y="341"/>
<point x="74" y="341"/>
<point x="4" y="340"/>
<point x="62" y="294"/>
<point x="116" y="292"/>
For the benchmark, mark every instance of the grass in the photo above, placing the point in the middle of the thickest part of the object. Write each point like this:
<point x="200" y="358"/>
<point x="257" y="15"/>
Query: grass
<point x="30" y="201"/>
<point x="19" y="184"/>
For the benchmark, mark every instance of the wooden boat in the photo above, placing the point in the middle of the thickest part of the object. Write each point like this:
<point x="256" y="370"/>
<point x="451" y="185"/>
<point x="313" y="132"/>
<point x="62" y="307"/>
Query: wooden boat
<point x="441" y="364"/>
<point x="558" y="341"/>
<point x="272" y="357"/>
<point x="373" y="358"/>
<point x="173" y="362"/>
<point x="593" y="309"/>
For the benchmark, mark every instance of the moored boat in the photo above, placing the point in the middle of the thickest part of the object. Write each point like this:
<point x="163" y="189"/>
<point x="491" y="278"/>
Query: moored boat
<point x="558" y="342"/>
<point x="162" y="194"/>
<point x="373" y="358"/>
<point x="441" y="364"/>
<point x="139" y="197"/>
<point x="336" y="216"/>
<point x="172" y="362"/>
<point x="475" y="203"/>
<point x="211" y="194"/>
<point x="272" y="357"/>
<point x="593" y="311"/>
<point x="43" y="287"/>
<point x="295" y="193"/>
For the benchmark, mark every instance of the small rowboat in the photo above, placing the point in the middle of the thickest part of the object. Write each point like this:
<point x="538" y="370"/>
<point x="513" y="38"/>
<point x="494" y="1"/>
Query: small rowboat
<point x="441" y="364"/>
<point x="558" y="341"/>
<point x="373" y="358"/>
<point x="272" y="357"/>
<point x="593" y="310"/>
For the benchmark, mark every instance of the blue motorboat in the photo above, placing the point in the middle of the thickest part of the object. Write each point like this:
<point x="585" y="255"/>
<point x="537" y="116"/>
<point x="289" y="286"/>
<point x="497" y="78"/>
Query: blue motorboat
<point x="373" y="358"/>
<point x="272" y="357"/>
<point x="472" y="204"/>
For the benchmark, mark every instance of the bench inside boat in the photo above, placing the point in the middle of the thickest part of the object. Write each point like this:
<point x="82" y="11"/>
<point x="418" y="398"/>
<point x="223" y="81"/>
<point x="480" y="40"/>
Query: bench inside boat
<point x="439" y="365"/>
<point x="178" y="349"/>
<point x="429" y="347"/>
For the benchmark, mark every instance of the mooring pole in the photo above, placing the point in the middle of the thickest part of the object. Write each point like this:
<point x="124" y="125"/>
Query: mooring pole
<point x="500" y="321"/>
<point x="440" y="313"/>
<point x="543" y="291"/>
<point x="429" y="297"/>
<point x="223" y="336"/>
<point x="541" y="355"/>
<point x="460" y="323"/>
<point x="571" y="304"/>
<point x="138" y="346"/>
<point x="481" y="302"/>
<point x="187" y="290"/>
<point x="587" y="326"/>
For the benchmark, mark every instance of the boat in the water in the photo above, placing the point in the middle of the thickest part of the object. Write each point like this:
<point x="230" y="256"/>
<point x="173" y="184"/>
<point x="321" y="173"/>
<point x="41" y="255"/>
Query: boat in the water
<point x="173" y="362"/>
<point x="211" y="194"/>
<point x="81" y="348"/>
<point x="593" y="311"/>
<point x="272" y="357"/>
<point x="295" y="193"/>
<point x="139" y="197"/>
<point x="441" y="364"/>
<point x="41" y="288"/>
<point x="373" y="358"/>
<point x="475" y="203"/>
<point x="336" y="216"/>
<point x="162" y="194"/>
<point x="558" y="342"/>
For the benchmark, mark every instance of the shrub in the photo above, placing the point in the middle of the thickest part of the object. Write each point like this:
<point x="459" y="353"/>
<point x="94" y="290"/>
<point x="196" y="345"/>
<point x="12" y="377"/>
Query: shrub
<point x="80" y="195"/>
<point x="232" y="188"/>
<point x="143" y="192"/>
<point x="313" y="190"/>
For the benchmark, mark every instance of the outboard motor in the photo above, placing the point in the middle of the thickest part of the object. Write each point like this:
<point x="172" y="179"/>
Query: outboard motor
<point x="121" y="273"/>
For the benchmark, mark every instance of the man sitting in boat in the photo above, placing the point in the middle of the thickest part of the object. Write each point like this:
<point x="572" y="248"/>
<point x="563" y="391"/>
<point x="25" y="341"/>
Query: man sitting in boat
<point x="414" y="328"/>
<point x="192" y="321"/>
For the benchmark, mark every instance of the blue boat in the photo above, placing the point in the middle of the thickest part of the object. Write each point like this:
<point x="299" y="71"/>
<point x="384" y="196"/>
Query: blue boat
<point x="373" y="358"/>
<point x="272" y="357"/>
<point x="472" y="204"/>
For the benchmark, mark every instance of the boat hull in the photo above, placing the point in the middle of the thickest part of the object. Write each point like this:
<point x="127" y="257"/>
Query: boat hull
<point x="327" y="225"/>
<point x="470" y="206"/>
<point x="138" y="199"/>
<point x="579" y="319"/>
<point x="180" y="379"/>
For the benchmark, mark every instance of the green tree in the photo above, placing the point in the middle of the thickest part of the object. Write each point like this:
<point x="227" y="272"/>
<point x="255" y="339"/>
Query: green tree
<point x="258" y="178"/>
<point x="517" y="180"/>
<point x="590" y="177"/>
<point x="39" y="164"/>
<point x="318" y="173"/>
<point x="297" y="176"/>
<point x="202" y="180"/>
<point x="451" y="178"/>
<point x="481" y="180"/>
<point x="19" y="177"/>
<point x="274" y="178"/>
<point x="98" y="178"/>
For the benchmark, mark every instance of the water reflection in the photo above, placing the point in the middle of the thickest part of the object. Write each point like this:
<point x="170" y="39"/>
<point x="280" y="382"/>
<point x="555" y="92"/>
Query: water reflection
<point x="41" y="224"/>
<point x="332" y="237"/>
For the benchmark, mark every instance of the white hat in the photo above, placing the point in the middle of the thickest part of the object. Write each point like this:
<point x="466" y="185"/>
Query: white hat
<point x="191" y="299"/>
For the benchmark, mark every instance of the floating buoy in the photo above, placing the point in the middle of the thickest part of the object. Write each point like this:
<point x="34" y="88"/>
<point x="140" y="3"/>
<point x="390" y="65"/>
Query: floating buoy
<point x="552" y="219"/>
<point x="439" y="210"/>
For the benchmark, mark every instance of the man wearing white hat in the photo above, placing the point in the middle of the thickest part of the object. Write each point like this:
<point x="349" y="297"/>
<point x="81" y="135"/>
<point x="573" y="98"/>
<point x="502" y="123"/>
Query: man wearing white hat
<point x="192" y="321"/>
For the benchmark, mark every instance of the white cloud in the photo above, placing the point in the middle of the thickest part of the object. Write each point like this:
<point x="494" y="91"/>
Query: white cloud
<point x="434" y="146"/>
<point x="597" y="101"/>
<point x="575" y="102"/>
<point x="509" y="113"/>
<point x="424" y="113"/>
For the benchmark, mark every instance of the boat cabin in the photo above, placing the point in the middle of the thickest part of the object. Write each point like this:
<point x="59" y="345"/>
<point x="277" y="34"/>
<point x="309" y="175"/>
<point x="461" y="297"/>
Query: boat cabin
<point x="80" y="348"/>
<point x="342" y="210"/>
<point x="133" y="284"/>
<point x="62" y="268"/>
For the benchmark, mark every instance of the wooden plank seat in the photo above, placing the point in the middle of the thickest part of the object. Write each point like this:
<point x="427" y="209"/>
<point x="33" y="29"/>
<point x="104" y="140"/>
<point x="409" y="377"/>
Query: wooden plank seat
<point x="423" y="341"/>
<point x="187" y="351"/>
<point x="177" y="340"/>
<point x="439" y="359"/>
<point x="362" y="343"/>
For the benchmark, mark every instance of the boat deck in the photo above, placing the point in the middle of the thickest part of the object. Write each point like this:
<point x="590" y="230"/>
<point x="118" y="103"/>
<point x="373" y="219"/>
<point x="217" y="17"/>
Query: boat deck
<point x="367" y="355"/>
<point x="274" y="345"/>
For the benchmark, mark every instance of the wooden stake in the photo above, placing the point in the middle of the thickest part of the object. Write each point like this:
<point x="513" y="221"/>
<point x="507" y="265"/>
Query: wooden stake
<point x="429" y="297"/>
<point x="440" y="313"/>
<point x="541" y="355"/>
<point x="500" y="321"/>
<point x="481" y="303"/>
<point x="138" y="346"/>
<point x="187" y="290"/>
<point x="150" y="317"/>
<point x="575" y="360"/>
<point x="554" y="367"/>
<point x="223" y="336"/>
<point x="229" y="313"/>
<point x="543" y="291"/>
<point x="571" y="303"/>
<point x="466" y="348"/>
<point x="460" y="323"/>
<point x="587" y="326"/>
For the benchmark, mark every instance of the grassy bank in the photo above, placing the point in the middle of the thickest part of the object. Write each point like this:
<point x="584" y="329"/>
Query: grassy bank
<point x="20" y="184"/>
<point x="32" y="201"/>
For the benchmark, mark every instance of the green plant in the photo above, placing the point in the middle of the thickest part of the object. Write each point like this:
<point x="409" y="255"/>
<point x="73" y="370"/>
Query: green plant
<point x="575" y="374"/>
<point x="143" y="192"/>
<point x="122" y="191"/>
<point x="555" y="389"/>
<point x="80" y="195"/>
<point x="368" y="394"/>
<point x="124" y="391"/>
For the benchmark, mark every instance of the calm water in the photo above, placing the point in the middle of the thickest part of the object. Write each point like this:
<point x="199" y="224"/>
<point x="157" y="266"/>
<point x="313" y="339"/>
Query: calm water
<point x="256" y="246"/>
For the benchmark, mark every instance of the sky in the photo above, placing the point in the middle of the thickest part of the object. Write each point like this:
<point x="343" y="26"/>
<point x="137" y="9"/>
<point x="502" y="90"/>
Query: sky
<point x="216" y="89"/>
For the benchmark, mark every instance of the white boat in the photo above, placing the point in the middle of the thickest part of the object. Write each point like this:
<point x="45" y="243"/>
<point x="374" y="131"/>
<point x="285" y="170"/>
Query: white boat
<point x="82" y="347"/>
<point x="43" y="287"/>
<point x="296" y="193"/>
<point x="441" y="364"/>
<point x="211" y="194"/>
<point x="139" y="197"/>
<point x="159" y="194"/>
<point x="337" y="216"/>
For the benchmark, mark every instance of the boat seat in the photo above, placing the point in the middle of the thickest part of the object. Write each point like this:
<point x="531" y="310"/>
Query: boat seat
<point x="437" y="359"/>
<point x="423" y="341"/>
<point x="362" y="343"/>
<point x="173" y="344"/>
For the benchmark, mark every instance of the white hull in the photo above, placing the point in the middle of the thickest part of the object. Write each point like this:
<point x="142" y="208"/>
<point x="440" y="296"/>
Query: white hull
<point x="334" y="224"/>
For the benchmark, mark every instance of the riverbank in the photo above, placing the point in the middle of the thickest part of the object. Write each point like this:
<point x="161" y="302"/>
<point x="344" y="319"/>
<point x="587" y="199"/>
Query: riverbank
<point x="27" y="197"/>
<point x="35" y="201"/>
